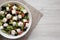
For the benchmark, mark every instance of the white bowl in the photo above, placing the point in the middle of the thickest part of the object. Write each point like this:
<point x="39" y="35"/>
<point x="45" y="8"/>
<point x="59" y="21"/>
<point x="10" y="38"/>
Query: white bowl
<point x="30" y="21"/>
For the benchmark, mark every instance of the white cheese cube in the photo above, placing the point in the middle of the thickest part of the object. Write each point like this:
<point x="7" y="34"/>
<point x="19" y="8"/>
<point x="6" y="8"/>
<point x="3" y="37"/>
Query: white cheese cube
<point x="20" y="24"/>
<point x="24" y="20"/>
<point x="18" y="30"/>
<point x="14" y="7"/>
<point x="5" y="24"/>
<point x="15" y="18"/>
<point x="1" y="27"/>
<point x="8" y="16"/>
<point x="27" y="24"/>
<point x="14" y="23"/>
<point x="7" y="8"/>
<point x="1" y="12"/>
<point x="19" y="16"/>
<point x="24" y="11"/>
<point x="13" y="11"/>
<point x="4" y="20"/>
<point x="13" y="32"/>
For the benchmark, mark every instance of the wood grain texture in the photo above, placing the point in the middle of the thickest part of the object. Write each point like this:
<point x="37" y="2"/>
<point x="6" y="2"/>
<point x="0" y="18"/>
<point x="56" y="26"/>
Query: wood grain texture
<point x="48" y="27"/>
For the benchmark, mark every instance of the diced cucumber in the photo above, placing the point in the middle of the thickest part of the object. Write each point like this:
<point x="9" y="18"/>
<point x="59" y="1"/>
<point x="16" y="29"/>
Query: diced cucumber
<point x="11" y="21"/>
<point x="0" y="23"/>
<point x="1" y="17"/>
<point x="4" y="31"/>
<point x="26" y="17"/>
<point x="16" y="24"/>
<point x="21" y="8"/>
<point x="10" y="27"/>
<point x="18" y="8"/>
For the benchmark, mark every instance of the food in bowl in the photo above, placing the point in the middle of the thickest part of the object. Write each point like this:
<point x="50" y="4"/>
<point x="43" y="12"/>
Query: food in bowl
<point x="14" y="19"/>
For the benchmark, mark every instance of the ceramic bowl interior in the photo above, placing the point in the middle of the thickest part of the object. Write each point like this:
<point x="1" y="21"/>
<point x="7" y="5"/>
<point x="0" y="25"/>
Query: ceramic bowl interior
<point x="30" y="21"/>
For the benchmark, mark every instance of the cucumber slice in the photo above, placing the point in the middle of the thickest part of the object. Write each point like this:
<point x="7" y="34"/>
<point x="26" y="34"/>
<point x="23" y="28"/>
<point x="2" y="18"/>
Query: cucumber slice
<point x="11" y="21"/>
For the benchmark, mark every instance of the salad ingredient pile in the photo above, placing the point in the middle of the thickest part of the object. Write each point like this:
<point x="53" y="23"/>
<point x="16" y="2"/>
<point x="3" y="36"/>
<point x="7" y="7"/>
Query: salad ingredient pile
<point x="14" y="19"/>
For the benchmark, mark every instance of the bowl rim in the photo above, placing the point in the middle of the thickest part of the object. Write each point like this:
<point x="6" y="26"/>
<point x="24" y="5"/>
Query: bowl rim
<point x="30" y="22"/>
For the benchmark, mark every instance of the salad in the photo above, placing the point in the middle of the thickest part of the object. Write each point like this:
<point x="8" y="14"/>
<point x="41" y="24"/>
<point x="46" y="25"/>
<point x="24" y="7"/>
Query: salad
<point x="14" y="19"/>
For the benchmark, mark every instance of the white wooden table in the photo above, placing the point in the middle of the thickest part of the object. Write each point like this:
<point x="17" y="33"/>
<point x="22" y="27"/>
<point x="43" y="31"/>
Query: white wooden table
<point x="48" y="27"/>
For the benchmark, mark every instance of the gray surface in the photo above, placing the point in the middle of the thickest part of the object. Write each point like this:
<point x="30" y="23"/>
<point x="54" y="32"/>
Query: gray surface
<point x="48" y="27"/>
<point x="36" y="15"/>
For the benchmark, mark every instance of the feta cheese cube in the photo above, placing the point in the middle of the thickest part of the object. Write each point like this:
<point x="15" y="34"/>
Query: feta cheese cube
<point x="15" y="18"/>
<point x="27" y="24"/>
<point x="14" y="7"/>
<point x="18" y="30"/>
<point x="13" y="32"/>
<point x="14" y="23"/>
<point x="20" y="24"/>
<point x="4" y="20"/>
<point x="13" y="11"/>
<point x="5" y="24"/>
<point x="8" y="16"/>
<point x="19" y="16"/>
<point x="1" y="27"/>
<point x="7" y="8"/>
<point x="1" y="12"/>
